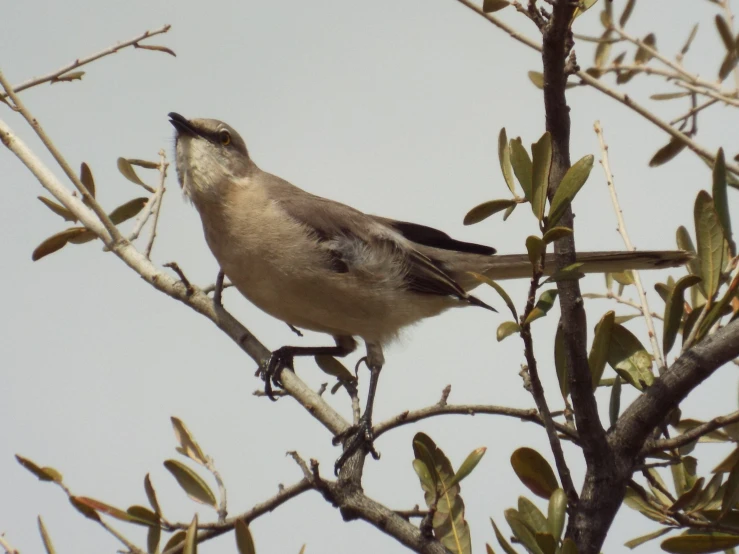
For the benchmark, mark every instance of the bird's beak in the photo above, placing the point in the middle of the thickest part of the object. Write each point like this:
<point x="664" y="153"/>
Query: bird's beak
<point x="182" y="124"/>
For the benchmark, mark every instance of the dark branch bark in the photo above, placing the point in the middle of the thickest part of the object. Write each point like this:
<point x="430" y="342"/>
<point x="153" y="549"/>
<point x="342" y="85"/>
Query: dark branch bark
<point x="687" y="372"/>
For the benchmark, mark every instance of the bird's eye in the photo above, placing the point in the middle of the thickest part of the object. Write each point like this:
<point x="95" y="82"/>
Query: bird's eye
<point x="225" y="138"/>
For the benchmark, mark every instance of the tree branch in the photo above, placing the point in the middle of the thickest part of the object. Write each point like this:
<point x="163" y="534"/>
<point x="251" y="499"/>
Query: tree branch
<point x="84" y="61"/>
<point x="629" y="246"/>
<point x="691" y="435"/>
<point x="408" y="417"/>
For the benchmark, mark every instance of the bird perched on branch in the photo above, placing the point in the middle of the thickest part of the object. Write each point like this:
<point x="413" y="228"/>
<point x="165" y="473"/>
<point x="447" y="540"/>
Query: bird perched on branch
<point x="320" y="265"/>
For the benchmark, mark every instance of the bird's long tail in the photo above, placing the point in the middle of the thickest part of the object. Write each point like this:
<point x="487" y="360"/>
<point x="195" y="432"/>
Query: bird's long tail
<point x="518" y="266"/>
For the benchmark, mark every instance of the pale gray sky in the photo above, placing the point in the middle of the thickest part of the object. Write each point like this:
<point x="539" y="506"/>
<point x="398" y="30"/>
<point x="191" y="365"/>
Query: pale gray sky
<point x="391" y="106"/>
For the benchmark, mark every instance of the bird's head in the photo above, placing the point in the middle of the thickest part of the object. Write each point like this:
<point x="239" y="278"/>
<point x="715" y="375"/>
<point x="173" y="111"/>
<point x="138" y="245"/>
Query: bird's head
<point x="209" y="154"/>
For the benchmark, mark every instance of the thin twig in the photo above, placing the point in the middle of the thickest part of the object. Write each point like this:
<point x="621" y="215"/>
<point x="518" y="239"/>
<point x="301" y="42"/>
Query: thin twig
<point x="212" y="530"/>
<point x="691" y="435"/>
<point x="621" y="300"/>
<point x="132" y="548"/>
<point x="661" y="365"/>
<point x="694" y="111"/>
<point x="605" y="89"/>
<point x="143" y="217"/>
<point x="112" y="230"/>
<point x="223" y="504"/>
<point x="537" y="391"/>
<point x="406" y="418"/>
<point x="84" y="61"/>
<point x="163" y="165"/>
<point x="6" y="546"/>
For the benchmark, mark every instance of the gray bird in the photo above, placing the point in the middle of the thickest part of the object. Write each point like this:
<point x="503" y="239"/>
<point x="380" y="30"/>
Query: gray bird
<point x="320" y="265"/>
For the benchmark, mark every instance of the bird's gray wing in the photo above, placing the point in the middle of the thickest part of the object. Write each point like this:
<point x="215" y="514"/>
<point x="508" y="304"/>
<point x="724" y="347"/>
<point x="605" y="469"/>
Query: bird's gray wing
<point x="358" y="243"/>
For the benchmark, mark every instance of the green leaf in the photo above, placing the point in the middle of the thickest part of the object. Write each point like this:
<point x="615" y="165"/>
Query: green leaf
<point x="638" y="541"/>
<point x="542" y="163"/>
<point x="534" y="472"/>
<point x="556" y="513"/>
<point x="124" y="166"/>
<point x="504" y="156"/>
<point x="521" y="531"/>
<point x="509" y="211"/>
<point x="674" y="307"/>
<point x="45" y="537"/>
<point x="537" y="79"/>
<point x="689" y="41"/>
<point x="724" y="30"/>
<point x="504" y="544"/>
<point x="532" y="516"/>
<point x="728" y="65"/>
<point x="428" y="484"/>
<point x="58" y="241"/>
<point x="732" y="491"/>
<point x="151" y="494"/>
<point x="194" y="485"/>
<point x="244" y="540"/>
<point x="143" y="163"/>
<point x="720" y="199"/>
<point x="535" y="248"/>
<point x="43" y="473"/>
<point x="603" y="50"/>
<point x="506" y="329"/>
<point x="87" y="180"/>
<point x="699" y="544"/>
<point x="686" y="499"/>
<point x="153" y="537"/>
<point x="556" y="233"/>
<point x="667" y="152"/>
<point x="144" y="515"/>
<point x="598" y="356"/>
<point x="58" y="209"/>
<point x="489" y="6"/>
<point x="624" y="278"/>
<point x="571" y="184"/>
<point x="710" y="240"/>
<point x="569" y="547"/>
<point x="470" y="462"/>
<point x="114" y="512"/>
<point x="68" y="77"/>
<point x="333" y="367"/>
<point x="560" y="362"/>
<point x="626" y="13"/>
<point x="670" y="95"/>
<point x="521" y="166"/>
<point x="614" y="406"/>
<point x="177" y="538"/>
<point x="569" y="273"/>
<point x="128" y="210"/>
<point x="543" y="305"/>
<point x="546" y="543"/>
<point x="642" y="55"/>
<point x="84" y="509"/>
<point x="191" y="537"/>
<point x="629" y="358"/>
<point x="486" y="209"/>
<point x="503" y="294"/>
<point x="188" y="445"/>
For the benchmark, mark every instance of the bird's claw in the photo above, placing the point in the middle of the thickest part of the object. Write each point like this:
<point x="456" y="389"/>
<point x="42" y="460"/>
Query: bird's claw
<point x="355" y="437"/>
<point x="278" y="361"/>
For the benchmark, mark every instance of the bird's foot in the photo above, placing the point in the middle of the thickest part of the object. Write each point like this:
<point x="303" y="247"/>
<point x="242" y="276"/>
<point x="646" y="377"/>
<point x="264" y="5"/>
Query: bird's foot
<point x="355" y="437"/>
<point x="280" y="359"/>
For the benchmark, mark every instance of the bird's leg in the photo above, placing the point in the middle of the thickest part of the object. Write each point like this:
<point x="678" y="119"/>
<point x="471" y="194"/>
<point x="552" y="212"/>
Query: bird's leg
<point x="283" y="358"/>
<point x="361" y="435"/>
<point x="218" y="291"/>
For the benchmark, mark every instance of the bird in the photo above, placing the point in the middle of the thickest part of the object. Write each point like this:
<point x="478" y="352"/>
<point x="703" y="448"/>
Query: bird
<point x="320" y="265"/>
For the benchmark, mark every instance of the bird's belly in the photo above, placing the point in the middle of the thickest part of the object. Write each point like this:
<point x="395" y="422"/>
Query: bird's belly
<point x="305" y="292"/>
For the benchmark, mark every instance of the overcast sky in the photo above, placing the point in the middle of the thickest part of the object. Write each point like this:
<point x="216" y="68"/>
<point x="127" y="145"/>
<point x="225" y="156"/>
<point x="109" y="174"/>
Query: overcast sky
<point x="391" y="106"/>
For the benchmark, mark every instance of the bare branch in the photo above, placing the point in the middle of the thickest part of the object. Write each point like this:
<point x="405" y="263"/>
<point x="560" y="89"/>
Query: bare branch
<point x="84" y="61"/>
<point x="163" y="165"/>
<point x="409" y="417"/>
<point x="621" y="300"/>
<point x="691" y="435"/>
<point x="6" y="545"/>
<point x="629" y="246"/>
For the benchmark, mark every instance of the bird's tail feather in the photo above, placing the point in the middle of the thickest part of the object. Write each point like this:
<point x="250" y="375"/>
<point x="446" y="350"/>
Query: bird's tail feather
<point x="518" y="266"/>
